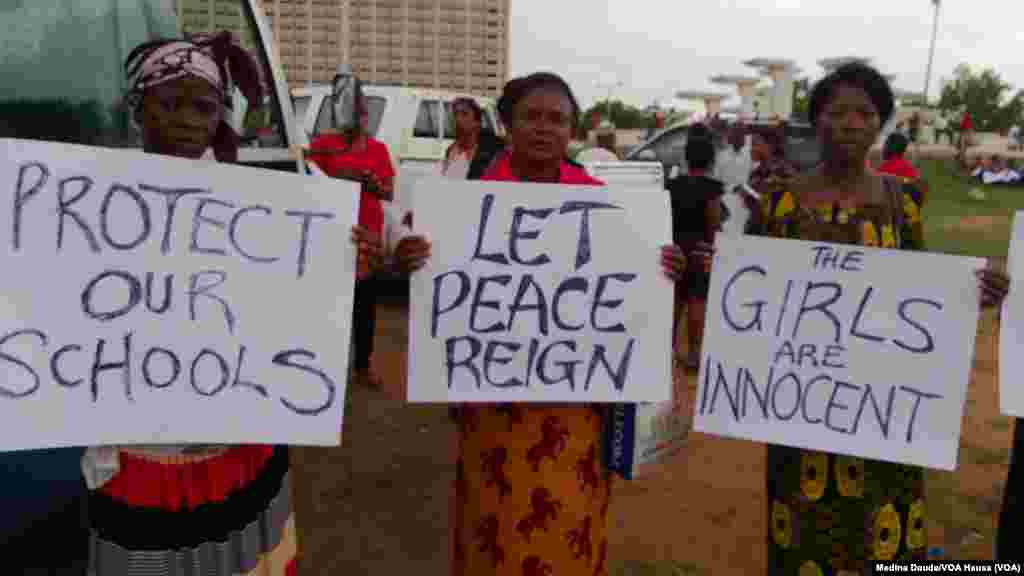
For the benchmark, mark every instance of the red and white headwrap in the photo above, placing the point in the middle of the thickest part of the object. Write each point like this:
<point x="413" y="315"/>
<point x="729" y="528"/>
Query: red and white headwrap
<point x="217" y="58"/>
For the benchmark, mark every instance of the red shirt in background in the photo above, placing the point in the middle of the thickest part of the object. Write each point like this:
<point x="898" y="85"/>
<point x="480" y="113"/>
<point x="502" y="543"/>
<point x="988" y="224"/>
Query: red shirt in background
<point x="899" y="166"/>
<point x="965" y="123"/>
<point x="373" y="158"/>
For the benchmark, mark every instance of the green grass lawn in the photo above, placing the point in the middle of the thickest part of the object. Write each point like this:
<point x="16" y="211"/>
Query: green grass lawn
<point x="955" y="223"/>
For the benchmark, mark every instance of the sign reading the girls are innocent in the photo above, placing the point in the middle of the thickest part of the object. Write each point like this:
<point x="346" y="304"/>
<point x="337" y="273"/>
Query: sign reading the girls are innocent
<point x="540" y="293"/>
<point x="157" y="300"/>
<point x="851" y="350"/>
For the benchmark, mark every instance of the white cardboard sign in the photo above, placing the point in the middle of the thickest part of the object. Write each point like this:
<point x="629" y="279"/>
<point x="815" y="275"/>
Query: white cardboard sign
<point x="540" y="293"/>
<point x="1011" y="330"/>
<point x="156" y="300"/>
<point x="844" y="349"/>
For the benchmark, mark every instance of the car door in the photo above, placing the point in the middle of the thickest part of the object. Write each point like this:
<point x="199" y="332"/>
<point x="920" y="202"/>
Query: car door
<point x="427" y="141"/>
<point x="668" y="148"/>
<point x="448" y="123"/>
<point x="70" y="87"/>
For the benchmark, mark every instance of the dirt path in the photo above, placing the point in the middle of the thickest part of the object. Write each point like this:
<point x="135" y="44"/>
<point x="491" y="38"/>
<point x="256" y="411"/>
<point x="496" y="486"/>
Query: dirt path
<point x="377" y="504"/>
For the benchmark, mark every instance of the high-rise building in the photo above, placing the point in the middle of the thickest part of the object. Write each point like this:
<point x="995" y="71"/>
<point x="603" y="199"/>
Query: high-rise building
<point x="459" y="45"/>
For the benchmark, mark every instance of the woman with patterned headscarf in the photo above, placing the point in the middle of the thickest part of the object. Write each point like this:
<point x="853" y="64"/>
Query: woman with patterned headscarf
<point x="212" y="510"/>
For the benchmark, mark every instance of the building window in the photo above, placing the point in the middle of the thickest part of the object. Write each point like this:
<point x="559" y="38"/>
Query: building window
<point x="427" y="120"/>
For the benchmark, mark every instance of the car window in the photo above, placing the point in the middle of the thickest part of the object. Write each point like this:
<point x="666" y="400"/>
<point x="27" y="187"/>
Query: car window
<point x="375" y="113"/>
<point x="427" y="125"/>
<point x="301" y="106"/>
<point x="376" y="106"/>
<point x="801" y="147"/>
<point x="449" y="121"/>
<point x="70" y="87"/>
<point x="488" y="122"/>
<point x="669" y="147"/>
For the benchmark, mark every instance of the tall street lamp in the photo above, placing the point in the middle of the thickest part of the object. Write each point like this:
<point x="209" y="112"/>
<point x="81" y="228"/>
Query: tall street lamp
<point x="610" y="86"/>
<point x="931" y="52"/>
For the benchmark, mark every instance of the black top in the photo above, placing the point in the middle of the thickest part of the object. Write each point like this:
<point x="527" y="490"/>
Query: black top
<point x="487" y="148"/>
<point x="690" y="197"/>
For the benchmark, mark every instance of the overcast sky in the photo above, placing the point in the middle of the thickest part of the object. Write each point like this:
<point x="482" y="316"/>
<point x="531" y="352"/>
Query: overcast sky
<point x="656" y="47"/>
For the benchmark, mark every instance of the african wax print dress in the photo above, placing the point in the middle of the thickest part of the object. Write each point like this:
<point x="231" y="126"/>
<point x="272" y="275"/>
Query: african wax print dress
<point x="831" y="514"/>
<point x="531" y="492"/>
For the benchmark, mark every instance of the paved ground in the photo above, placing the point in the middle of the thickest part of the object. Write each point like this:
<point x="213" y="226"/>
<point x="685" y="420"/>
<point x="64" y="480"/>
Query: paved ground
<point x="377" y="504"/>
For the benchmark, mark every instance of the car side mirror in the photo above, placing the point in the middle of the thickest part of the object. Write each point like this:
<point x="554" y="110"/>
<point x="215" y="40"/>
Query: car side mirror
<point x="647" y="155"/>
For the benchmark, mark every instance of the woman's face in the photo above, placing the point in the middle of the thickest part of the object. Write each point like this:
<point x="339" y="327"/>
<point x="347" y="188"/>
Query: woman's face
<point x="465" y="120"/>
<point x="849" y="123"/>
<point x="542" y="127"/>
<point x="180" y="118"/>
<point x="760" y="149"/>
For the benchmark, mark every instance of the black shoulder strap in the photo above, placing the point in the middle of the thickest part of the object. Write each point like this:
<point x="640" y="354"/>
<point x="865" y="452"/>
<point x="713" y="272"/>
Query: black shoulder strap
<point x="894" y="194"/>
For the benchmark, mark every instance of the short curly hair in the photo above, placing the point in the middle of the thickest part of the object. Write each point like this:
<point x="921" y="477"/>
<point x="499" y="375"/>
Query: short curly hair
<point x="699" y="153"/>
<point x="519" y="88"/>
<point x="856" y="74"/>
<point x="895" y="145"/>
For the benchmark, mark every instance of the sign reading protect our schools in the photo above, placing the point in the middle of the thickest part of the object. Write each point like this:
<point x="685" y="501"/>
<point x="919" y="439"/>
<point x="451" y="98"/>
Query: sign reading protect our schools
<point x="844" y="349"/>
<point x="156" y="300"/>
<point x="540" y="293"/>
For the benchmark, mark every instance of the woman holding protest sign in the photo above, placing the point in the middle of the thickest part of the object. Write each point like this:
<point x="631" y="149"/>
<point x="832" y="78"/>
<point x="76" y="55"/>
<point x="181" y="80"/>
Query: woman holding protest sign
<point x="511" y="517"/>
<point x="216" y="510"/>
<point x="829" y="513"/>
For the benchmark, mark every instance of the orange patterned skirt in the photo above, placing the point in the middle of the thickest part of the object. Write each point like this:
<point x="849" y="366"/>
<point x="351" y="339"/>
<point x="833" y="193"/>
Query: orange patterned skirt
<point x="532" y="493"/>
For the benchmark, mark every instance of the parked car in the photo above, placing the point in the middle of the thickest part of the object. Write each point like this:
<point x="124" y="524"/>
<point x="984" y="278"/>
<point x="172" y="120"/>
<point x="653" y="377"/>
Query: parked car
<point x="667" y="147"/>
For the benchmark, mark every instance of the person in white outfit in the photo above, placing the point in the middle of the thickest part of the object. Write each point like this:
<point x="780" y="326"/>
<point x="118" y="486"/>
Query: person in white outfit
<point x="733" y="162"/>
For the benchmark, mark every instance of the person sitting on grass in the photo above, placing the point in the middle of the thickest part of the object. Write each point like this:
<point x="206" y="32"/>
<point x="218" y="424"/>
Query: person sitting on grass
<point x="996" y="171"/>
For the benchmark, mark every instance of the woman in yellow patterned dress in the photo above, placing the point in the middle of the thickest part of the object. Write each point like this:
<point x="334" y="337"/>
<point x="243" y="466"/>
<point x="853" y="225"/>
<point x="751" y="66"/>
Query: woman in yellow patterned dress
<point x="830" y="514"/>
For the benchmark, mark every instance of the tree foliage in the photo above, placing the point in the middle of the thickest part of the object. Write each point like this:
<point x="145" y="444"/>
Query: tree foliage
<point x="985" y="96"/>
<point x="622" y="115"/>
<point x="801" y="98"/>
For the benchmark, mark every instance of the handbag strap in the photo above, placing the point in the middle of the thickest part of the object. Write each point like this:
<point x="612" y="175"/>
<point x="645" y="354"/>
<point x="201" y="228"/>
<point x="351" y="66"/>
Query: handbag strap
<point x="894" y="192"/>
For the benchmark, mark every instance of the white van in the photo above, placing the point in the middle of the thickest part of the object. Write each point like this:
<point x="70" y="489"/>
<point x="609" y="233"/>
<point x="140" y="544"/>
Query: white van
<point x="416" y="124"/>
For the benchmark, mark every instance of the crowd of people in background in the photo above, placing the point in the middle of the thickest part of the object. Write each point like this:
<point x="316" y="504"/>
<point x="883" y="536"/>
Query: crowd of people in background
<point x="237" y="518"/>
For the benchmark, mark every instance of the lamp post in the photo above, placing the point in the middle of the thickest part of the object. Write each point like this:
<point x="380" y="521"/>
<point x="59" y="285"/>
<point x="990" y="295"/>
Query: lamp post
<point x="610" y="86"/>
<point x="931" y="51"/>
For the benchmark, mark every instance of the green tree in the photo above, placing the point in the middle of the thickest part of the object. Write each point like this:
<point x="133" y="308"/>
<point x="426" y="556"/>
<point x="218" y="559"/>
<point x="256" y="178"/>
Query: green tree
<point x="622" y="116"/>
<point x="801" y="98"/>
<point x="985" y="96"/>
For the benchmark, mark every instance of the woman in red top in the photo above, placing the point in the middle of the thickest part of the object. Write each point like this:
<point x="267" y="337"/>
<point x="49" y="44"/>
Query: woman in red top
<point x="355" y="155"/>
<point x="893" y="160"/>
<point x="541" y="518"/>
